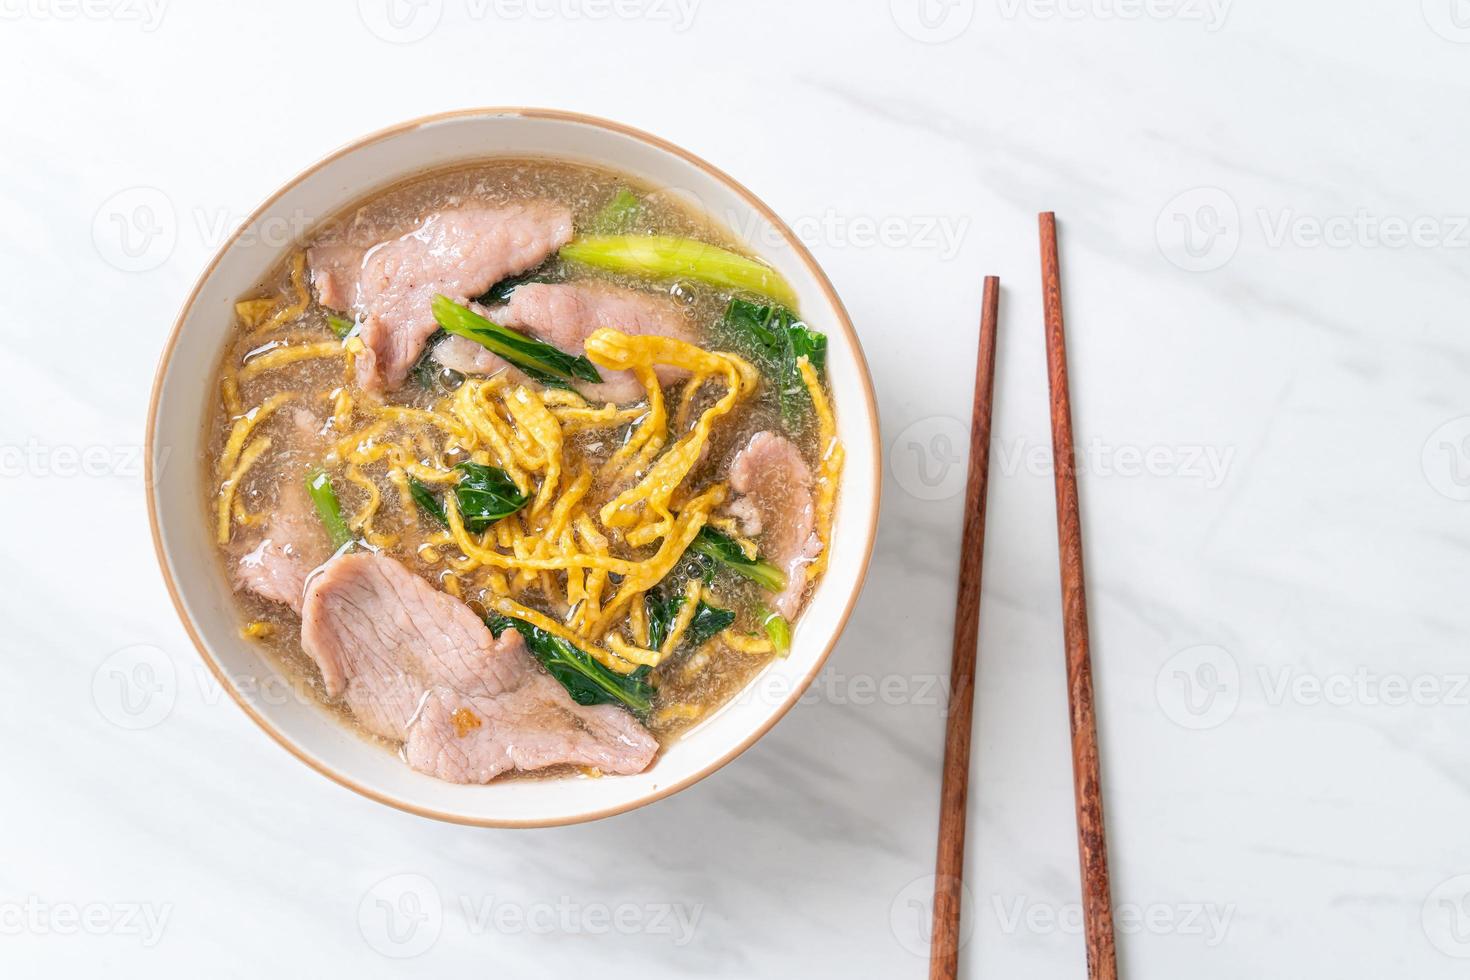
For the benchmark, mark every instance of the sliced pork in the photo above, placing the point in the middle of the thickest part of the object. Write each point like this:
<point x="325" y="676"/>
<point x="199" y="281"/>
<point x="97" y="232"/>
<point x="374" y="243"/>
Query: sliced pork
<point x="776" y="485"/>
<point x="335" y="272"/>
<point x="277" y="565"/>
<point x="418" y="666"/>
<point x="565" y="315"/>
<point x="459" y="252"/>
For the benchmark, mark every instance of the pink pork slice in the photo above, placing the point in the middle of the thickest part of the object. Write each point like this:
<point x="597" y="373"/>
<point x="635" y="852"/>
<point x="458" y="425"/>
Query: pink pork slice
<point x="459" y="252"/>
<point x="335" y="272"/>
<point x="276" y="567"/>
<point x="416" y="665"/>
<point x="564" y="315"/>
<point x="777" y="504"/>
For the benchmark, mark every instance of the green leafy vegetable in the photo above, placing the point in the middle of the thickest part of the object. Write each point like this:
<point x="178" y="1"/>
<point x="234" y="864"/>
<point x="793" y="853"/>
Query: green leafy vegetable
<point x="723" y="549"/>
<point x="663" y="609"/>
<point x="617" y="215"/>
<point x="328" y="507"/>
<point x="778" y="630"/>
<point x="500" y="292"/>
<point x="775" y="338"/>
<point x="426" y="500"/>
<point x="586" y="680"/>
<point x="663" y="257"/>
<point x="341" y="326"/>
<point x="542" y="362"/>
<point x="425" y="371"/>
<point x="708" y="621"/>
<point x="485" y="494"/>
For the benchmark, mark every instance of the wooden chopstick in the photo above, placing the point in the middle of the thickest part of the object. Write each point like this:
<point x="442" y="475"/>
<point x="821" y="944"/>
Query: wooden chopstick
<point x="1092" y="845"/>
<point x="949" y="866"/>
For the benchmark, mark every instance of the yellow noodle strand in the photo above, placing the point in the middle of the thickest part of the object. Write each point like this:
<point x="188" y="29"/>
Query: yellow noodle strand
<point x="644" y="575"/>
<point x="533" y="417"/>
<point x="292" y="310"/>
<point x="829" y="467"/>
<point x="638" y="622"/>
<point x="678" y="711"/>
<point x="495" y="559"/>
<point x="563" y="397"/>
<point x="245" y="425"/>
<point x="744" y="643"/>
<point x="250" y="312"/>
<point x="633" y="654"/>
<point x="513" y="609"/>
<point x="227" y="489"/>
<point x="282" y="356"/>
<point x="365" y="515"/>
<point x="657" y="424"/>
<point x="229" y="392"/>
<point x="607" y="417"/>
<point x="686" y="400"/>
<point x="648" y="502"/>
<point x="652" y="427"/>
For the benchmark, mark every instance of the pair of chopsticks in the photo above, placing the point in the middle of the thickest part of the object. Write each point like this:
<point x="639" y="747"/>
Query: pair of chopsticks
<point x="1097" y="906"/>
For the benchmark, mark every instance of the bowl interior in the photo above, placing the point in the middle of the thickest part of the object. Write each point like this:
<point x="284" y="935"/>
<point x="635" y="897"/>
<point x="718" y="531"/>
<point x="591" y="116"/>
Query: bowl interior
<point x="196" y="578"/>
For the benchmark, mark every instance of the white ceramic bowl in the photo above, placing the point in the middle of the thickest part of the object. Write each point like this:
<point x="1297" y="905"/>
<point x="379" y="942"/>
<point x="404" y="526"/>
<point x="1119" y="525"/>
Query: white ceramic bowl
<point x="183" y="393"/>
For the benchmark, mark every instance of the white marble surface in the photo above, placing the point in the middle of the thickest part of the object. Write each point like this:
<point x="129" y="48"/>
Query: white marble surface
<point x="1275" y="518"/>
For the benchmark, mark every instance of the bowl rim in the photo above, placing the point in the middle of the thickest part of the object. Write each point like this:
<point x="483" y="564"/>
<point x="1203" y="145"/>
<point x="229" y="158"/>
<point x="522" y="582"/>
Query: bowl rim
<point x="844" y="323"/>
